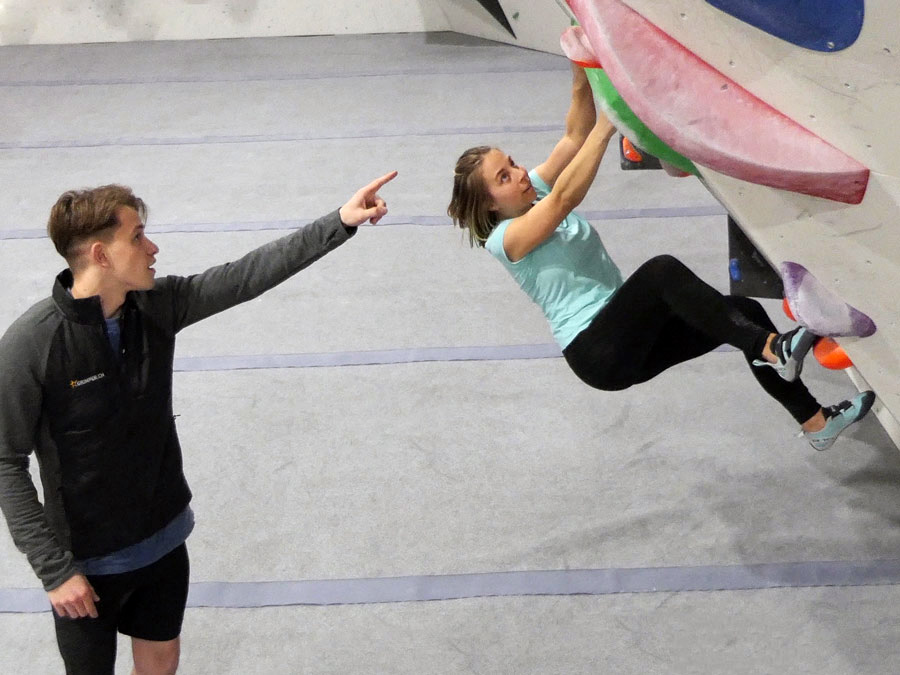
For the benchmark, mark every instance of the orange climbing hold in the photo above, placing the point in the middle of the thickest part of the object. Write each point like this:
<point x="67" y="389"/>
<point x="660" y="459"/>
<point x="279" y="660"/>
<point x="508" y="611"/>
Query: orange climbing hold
<point x="787" y="309"/>
<point x="631" y="153"/>
<point x="827" y="352"/>
<point x="831" y="355"/>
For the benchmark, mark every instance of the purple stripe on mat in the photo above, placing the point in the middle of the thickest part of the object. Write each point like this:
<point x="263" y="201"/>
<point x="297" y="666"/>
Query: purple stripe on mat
<point x="264" y="225"/>
<point x="549" y="582"/>
<point x="193" y="364"/>
<point x="275" y="77"/>
<point x="277" y="138"/>
<point x="367" y="358"/>
<point x="12" y="235"/>
<point x="656" y="212"/>
<point x="495" y="584"/>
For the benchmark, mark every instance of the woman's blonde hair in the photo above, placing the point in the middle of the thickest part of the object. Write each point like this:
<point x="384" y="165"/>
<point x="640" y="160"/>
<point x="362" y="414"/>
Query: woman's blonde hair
<point x="470" y="205"/>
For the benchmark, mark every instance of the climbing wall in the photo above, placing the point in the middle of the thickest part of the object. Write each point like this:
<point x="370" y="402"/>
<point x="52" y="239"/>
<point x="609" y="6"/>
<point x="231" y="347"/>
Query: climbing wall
<point x="65" y="21"/>
<point x="535" y="24"/>
<point x="847" y="97"/>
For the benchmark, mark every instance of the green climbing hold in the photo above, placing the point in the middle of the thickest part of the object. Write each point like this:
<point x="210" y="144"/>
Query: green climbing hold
<point x="637" y="131"/>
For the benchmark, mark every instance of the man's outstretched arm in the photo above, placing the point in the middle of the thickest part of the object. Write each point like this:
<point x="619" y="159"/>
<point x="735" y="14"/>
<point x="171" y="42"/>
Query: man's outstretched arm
<point x="199" y="296"/>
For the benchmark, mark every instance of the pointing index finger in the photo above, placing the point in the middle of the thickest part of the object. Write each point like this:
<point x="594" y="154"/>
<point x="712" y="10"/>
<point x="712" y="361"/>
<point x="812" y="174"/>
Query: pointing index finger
<point x="376" y="184"/>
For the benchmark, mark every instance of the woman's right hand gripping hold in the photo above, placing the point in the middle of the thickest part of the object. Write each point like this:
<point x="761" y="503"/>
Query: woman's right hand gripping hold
<point x="569" y="171"/>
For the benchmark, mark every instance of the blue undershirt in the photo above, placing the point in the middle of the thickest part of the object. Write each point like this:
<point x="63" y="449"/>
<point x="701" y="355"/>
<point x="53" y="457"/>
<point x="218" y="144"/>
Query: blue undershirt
<point x="144" y="552"/>
<point x="114" y="333"/>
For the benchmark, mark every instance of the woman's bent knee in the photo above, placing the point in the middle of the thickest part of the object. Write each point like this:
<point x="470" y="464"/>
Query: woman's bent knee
<point x="663" y="268"/>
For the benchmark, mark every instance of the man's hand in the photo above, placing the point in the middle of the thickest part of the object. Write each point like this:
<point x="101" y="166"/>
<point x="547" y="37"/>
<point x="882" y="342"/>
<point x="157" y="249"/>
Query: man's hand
<point x="75" y="598"/>
<point x="366" y="204"/>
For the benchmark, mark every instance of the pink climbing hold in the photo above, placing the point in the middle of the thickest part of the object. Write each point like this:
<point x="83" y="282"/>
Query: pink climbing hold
<point x="707" y="116"/>
<point x="576" y="47"/>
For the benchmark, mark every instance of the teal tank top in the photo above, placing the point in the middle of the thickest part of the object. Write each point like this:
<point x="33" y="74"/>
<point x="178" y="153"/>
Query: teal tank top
<point x="570" y="275"/>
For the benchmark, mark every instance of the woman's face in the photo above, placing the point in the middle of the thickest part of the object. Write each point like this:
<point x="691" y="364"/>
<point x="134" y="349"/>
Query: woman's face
<point x="507" y="184"/>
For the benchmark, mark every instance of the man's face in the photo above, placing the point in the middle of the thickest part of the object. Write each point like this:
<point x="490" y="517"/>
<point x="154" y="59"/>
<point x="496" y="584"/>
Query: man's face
<point x="130" y="253"/>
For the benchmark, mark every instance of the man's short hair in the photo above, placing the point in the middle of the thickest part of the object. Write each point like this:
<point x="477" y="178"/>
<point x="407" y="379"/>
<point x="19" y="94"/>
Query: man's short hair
<point x="80" y="214"/>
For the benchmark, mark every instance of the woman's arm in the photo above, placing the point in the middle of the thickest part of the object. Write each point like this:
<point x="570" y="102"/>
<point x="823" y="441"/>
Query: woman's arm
<point x="526" y="232"/>
<point x="579" y="121"/>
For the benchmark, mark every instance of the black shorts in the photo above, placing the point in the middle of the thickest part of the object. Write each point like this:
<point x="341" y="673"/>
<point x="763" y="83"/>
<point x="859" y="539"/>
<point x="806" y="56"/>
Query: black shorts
<point x="147" y="603"/>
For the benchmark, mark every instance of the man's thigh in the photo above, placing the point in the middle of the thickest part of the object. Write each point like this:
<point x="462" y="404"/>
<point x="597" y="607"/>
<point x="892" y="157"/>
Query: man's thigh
<point x="154" y="610"/>
<point x="147" y="604"/>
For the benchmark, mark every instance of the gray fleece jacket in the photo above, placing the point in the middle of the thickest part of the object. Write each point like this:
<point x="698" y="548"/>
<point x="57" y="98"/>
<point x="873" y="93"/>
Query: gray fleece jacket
<point x="101" y="424"/>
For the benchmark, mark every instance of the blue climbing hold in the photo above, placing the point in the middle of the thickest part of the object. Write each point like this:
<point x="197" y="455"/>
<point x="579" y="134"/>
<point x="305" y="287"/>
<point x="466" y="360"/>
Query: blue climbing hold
<point x="822" y="25"/>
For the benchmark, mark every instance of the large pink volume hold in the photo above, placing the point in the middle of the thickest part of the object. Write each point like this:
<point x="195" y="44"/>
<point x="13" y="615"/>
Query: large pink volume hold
<point x="708" y="117"/>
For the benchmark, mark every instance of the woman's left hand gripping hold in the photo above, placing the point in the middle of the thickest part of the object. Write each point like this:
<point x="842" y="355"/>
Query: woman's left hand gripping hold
<point x="365" y="204"/>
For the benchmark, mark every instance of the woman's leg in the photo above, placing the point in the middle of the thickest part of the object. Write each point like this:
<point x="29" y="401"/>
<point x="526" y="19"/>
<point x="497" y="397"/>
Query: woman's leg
<point x="701" y="306"/>
<point x="822" y="426"/>
<point x="662" y="315"/>
<point x="794" y="396"/>
<point x="643" y="331"/>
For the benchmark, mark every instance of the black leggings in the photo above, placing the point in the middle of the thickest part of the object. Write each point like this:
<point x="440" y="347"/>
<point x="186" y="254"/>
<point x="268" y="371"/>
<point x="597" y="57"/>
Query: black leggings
<point x="665" y="314"/>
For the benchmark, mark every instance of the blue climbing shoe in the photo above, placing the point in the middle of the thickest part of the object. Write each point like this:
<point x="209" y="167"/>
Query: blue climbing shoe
<point x="838" y="417"/>
<point x="790" y="349"/>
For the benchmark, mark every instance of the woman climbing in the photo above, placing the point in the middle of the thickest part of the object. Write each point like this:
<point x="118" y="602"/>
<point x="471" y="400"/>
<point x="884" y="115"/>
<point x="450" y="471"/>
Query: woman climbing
<point x="616" y="333"/>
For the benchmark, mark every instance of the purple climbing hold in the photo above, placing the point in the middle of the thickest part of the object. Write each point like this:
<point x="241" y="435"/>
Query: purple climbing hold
<point x="819" y="309"/>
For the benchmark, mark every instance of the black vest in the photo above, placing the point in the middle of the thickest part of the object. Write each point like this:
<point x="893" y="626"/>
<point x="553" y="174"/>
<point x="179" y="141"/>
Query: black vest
<point x="110" y="417"/>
